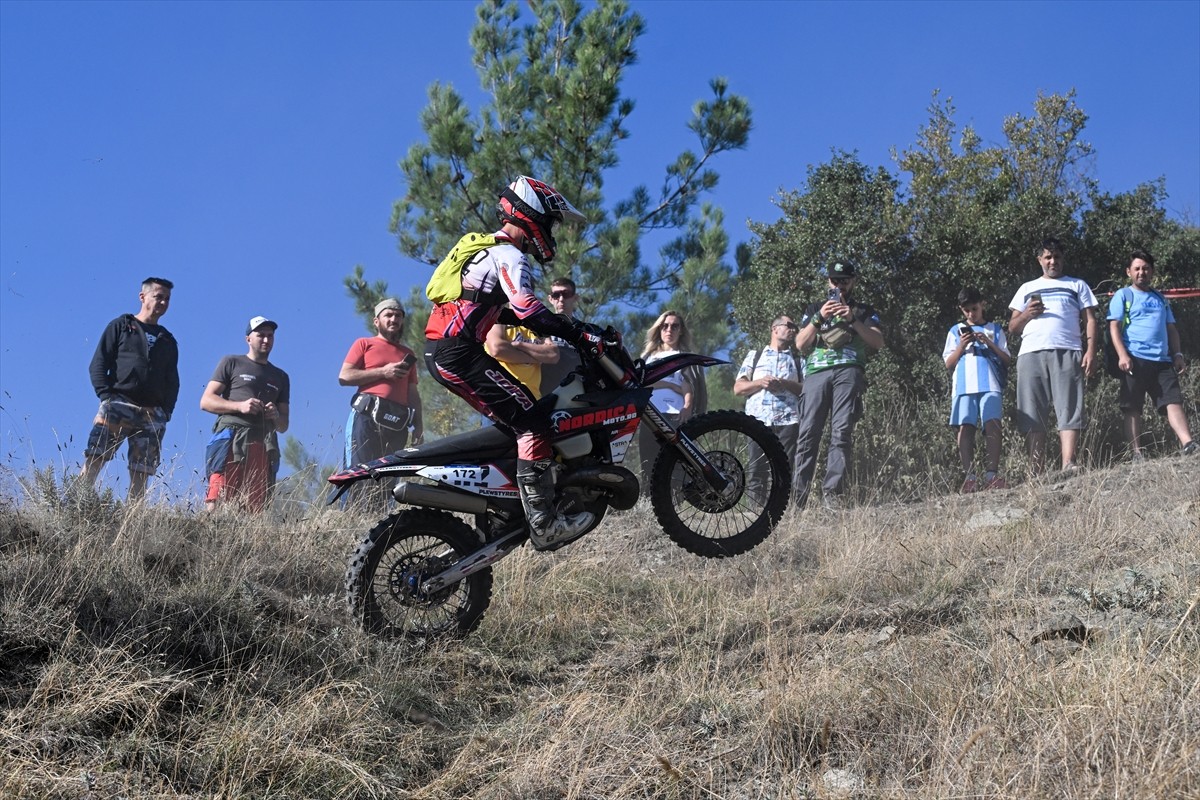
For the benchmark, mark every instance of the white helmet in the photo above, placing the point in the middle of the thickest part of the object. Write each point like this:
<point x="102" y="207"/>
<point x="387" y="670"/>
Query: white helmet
<point x="535" y="207"/>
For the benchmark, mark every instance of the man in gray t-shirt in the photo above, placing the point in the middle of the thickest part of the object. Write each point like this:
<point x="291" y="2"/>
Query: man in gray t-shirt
<point x="251" y="396"/>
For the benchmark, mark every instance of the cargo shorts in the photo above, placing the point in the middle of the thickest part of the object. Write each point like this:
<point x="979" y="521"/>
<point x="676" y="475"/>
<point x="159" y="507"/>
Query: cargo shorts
<point x="119" y="420"/>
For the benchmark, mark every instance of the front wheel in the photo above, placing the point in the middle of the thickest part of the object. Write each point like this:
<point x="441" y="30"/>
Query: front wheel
<point x="712" y="523"/>
<point x="386" y="570"/>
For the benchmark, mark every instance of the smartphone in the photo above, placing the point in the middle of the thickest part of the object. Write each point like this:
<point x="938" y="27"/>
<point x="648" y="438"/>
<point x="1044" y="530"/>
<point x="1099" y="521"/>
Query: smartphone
<point x="409" y="360"/>
<point x="835" y="294"/>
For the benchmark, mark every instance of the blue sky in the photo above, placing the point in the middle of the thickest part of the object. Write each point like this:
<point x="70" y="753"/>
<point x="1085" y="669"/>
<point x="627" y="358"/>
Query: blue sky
<point x="248" y="152"/>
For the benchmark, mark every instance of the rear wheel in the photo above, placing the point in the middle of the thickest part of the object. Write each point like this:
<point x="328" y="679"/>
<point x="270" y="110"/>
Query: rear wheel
<point x="712" y="523"/>
<point x="386" y="570"/>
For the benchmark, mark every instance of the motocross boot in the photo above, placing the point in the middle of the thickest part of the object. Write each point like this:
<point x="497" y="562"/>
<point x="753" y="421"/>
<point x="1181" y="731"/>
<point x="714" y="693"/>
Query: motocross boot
<point x="547" y="527"/>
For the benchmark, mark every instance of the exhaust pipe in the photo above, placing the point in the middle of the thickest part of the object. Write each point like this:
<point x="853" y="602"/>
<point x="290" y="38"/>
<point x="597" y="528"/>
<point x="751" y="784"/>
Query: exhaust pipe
<point x="416" y="494"/>
<point x="618" y="483"/>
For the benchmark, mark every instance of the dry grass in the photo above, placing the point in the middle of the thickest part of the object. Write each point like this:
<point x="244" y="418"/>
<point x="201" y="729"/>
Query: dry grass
<point x="1038" y="642"/>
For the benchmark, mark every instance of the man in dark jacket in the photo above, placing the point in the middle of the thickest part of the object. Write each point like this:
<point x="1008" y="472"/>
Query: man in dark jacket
<point x="135" y="373"/>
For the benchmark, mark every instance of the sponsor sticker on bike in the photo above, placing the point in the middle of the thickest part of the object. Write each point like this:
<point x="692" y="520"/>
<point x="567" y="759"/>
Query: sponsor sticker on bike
<point x="483" y="479"/>
<point x="567" y="420"/>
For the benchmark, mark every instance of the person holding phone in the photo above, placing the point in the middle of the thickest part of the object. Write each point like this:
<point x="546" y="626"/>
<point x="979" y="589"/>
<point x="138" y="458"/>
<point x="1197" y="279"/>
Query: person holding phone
<point x="1049" y="313"/>
<point x="977" y="351"/>
<point x="251" y="398"/>
<point x="835" y="337"/>
<point x="387" y="404"/>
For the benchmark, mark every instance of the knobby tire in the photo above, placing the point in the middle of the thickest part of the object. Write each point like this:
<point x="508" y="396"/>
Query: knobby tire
<point x="711" y="525"/>
<point x="390" y="562"/>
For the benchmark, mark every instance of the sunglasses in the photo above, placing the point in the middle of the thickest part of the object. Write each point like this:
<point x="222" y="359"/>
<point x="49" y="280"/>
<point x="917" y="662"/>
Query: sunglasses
<point x="561" y="295"/>
<point x="840" y="281"/>
<point x="791" y="326"/>
<point x="666" y="326"/>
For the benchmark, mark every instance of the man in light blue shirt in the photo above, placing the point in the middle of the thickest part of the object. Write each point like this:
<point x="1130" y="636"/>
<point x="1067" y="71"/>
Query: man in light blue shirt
<point x="770" y="382"/>
<point x="1142" y="330"/>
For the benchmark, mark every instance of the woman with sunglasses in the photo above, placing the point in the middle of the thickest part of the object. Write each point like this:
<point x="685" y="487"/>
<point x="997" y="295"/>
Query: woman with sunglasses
<point x="673" y="396"/>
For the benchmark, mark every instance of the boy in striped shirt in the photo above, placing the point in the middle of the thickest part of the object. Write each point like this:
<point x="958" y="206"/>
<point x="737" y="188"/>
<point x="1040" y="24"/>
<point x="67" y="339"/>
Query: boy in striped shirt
<point x="975" y="350"/>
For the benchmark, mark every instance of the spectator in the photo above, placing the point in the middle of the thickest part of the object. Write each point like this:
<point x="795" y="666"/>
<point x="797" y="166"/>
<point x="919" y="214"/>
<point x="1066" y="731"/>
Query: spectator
<point x="388" y="403"/>
<point x="522" y="353"/>
<point x="1142" y="330"/>
<point x="250" y="395"/>
<point x="1047" y="313"/>
<point x="769" y="381"/>
<point x="564" y="298"/>
<point x="135" y="373"/>
<point x="834" y="338"/>
<point x="977" y="352"/>
<point x="672" y="395"/>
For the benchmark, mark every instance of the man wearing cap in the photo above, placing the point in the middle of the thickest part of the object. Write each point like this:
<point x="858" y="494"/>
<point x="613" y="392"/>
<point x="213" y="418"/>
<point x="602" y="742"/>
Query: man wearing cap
<point x="834" y="338"/>
<point x="387" y="402"/>
<point x="250" y="397"/>
<point x="135" y="373"/>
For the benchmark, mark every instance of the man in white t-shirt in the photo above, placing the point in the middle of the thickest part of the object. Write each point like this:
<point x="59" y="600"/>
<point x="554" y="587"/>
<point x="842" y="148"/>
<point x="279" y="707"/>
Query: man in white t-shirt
<point x="1048" y="313"/>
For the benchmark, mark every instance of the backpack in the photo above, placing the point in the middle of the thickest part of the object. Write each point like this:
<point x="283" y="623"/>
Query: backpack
<point x="445" y="286"/>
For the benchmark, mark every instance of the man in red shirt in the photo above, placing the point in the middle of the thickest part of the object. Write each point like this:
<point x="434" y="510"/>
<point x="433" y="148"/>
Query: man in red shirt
<point x="387" y="403"/>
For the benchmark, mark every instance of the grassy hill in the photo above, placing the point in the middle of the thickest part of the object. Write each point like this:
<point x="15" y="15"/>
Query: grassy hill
<point x="1038" y="642"/>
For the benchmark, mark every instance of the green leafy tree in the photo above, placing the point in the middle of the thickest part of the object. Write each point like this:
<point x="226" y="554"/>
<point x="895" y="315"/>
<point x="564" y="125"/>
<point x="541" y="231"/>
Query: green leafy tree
<point x="957" y="213"/>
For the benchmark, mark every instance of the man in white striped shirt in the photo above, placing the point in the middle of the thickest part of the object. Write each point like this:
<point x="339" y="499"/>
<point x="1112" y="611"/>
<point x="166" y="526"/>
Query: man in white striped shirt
<point x="977" y="351"/>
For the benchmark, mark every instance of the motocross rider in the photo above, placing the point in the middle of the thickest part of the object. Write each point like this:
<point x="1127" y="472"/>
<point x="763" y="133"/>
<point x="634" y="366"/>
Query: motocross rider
<point x="454" y="353"/>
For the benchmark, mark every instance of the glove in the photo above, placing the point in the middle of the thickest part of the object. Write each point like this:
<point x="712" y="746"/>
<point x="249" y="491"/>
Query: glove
<point x="588" y="337"/>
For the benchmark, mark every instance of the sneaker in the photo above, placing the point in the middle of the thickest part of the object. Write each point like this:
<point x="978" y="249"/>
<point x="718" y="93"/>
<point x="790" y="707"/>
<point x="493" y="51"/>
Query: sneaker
<point x="997" y="482"/>
<point x="970" y="485"/>
<point x="1071" y="468"/>
<point x="832" y="502"/>
<point x="1189" y="449"/>
<point x="1137" y="457"/>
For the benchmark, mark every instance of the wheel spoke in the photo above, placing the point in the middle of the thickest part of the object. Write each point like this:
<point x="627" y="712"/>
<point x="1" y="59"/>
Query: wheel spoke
<point x="716" y="523"/>
<point x="385" y="574"/>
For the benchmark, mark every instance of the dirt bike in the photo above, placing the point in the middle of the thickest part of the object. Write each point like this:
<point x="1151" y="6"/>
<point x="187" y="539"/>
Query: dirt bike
<point x="718" y="487"/>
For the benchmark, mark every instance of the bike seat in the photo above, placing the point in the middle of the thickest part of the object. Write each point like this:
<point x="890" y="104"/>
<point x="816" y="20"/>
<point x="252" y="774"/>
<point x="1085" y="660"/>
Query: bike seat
<point x="481" y="445"/>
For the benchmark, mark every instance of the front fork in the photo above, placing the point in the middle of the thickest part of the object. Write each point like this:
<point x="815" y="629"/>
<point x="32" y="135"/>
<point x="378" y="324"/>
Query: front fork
<point x="692" y="456"/>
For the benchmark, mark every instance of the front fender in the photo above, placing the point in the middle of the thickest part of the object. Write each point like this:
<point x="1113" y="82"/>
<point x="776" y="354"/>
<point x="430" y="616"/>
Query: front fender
<point x="671" y="364"/>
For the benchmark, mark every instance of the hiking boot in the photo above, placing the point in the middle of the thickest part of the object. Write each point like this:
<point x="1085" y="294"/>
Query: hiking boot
<point x="997" y="482"/>
<point x="547" y="527"/>
<point x="1189" y="449"/>
<point x="1071" y="469"/>
<point x="1137" y="456"/>
<point x="970" y="485"/>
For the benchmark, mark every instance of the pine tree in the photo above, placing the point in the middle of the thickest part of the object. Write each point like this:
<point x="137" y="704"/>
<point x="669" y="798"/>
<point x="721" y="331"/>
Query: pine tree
<point x="556" y="112"/>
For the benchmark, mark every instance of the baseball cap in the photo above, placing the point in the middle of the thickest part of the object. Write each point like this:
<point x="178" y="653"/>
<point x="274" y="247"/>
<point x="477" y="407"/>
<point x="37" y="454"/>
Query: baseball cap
<point x="386" y="303"/>
<point x="841" y="269"/>
<point x="257" y="322"/>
